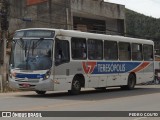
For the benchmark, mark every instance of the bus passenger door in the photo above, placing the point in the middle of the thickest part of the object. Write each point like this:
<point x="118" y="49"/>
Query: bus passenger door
<point x="62" y="67"/>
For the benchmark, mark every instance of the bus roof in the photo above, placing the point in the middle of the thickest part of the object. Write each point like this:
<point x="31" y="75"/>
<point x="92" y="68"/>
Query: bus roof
<point x="74" y="33"/>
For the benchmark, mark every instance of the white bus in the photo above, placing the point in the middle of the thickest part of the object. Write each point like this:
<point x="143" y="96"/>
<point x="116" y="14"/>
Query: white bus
<point x="54" y="60"/>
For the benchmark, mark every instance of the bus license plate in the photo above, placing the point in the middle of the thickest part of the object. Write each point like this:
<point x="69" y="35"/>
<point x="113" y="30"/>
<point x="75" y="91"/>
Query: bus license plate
<point x="26" y="85"/>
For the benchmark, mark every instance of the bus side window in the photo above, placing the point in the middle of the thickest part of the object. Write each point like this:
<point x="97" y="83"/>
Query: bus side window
<point x="61" y="51"/>
<point x="110" y="50"/>
<point x="148" y="52"/>
<point x="79" y="48"/>
<point x="124" y="51"/>
<point x="137" y="52"/>
<point x="95" y="49"/>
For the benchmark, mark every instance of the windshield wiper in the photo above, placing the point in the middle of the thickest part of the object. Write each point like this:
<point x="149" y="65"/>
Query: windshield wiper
<point x="36" y="44"/>
<point x="32" y="45"/>
<point x="17" y="41"/>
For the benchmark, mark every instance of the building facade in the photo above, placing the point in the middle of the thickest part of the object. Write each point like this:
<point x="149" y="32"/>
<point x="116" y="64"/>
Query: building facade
<point x="95" y="16"/>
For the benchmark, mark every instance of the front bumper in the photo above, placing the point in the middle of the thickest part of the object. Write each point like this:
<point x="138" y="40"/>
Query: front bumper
<point x="44" y="85"/>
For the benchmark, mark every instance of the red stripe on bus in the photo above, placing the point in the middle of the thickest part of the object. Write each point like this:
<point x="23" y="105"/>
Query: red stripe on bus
<point x="141" y="67"/>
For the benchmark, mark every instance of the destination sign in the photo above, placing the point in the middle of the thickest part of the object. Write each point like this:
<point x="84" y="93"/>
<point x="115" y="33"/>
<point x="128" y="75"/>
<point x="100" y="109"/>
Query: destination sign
<point x="34" y="33"/>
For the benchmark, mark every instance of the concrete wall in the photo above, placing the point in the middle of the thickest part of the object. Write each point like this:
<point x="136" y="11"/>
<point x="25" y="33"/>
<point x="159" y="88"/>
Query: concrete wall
<point x="59" y="14"/>
<point x="17" y="11"/>
<point x="94" y="8"/>
<point x="113" y="14"/>
<point x="50" y="14"/>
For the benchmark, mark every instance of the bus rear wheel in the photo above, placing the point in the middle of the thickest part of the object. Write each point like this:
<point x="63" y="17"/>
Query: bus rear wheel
<point x="76" y="87"/>
<point x="131" y="83"/>
<point x="40" y="92"/>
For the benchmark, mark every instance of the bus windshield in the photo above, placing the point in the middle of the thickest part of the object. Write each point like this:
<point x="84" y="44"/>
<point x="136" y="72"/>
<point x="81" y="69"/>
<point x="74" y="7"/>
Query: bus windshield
<point x="32" y="54"/>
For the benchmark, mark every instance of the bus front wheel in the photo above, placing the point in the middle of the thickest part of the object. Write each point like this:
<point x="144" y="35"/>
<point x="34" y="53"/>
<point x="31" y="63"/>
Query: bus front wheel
<point x="40" y="92"/>
<point x="76" y="87"/>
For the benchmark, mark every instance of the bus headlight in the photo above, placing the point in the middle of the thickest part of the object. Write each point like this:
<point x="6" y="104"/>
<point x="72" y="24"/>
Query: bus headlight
<point x="12" y="74"/>
<point x="47" y="75"/>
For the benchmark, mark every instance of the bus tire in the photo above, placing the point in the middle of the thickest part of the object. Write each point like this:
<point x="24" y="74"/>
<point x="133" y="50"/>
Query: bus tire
<point x="131" y="83"/>
<point x="76" y="86"/>
<point x="40" y="92"/>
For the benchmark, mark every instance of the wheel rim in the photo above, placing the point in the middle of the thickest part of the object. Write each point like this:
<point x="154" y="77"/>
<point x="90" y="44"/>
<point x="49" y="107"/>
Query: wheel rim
<point x="76" y="85"/>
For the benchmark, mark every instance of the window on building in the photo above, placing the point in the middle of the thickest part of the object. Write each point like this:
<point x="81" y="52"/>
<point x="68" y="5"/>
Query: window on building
<point x="61" y="51"/>
<point x="95" y="49"/>
<point x="137" y="52"/>
<point x="110" y="50"/>
<point x="124" y="51"/>
<point x="148" y="52"/>
<point x="79" y="48"/>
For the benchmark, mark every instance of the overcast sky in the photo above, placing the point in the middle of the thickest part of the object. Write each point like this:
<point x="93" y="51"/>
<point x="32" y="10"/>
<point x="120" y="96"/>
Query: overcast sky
<point x="147" y="7"/>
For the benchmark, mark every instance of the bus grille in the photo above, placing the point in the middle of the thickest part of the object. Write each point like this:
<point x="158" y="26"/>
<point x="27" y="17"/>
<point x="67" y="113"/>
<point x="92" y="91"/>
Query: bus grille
<point x="30" y="81"/>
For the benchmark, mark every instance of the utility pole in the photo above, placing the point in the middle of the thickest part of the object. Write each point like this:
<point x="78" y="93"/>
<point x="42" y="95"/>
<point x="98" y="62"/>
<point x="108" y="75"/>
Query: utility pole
<point x="4" y="28"/>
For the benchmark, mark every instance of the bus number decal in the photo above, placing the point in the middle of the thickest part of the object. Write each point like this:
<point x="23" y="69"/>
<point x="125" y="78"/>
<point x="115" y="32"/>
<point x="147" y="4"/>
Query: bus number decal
<point x="88" y="67"/>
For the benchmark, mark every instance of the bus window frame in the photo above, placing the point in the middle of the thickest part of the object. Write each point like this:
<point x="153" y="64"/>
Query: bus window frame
<point x="129" y="51"/>
<point x="142" y="54"/>
<point x="61" y="61"/>
<point x="102" y="52"/>
<point x="117" y="50"/>
<point x="85" y="49"/>
<point x="152" y="56"/>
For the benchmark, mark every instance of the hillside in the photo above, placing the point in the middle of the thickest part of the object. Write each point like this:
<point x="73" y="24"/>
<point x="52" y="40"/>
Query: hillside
<point x="141" y="26"/>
